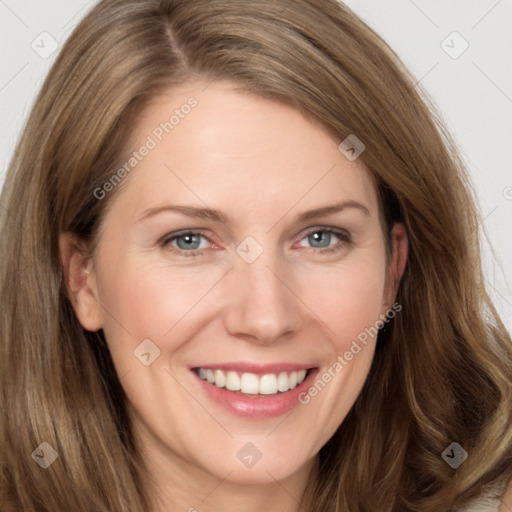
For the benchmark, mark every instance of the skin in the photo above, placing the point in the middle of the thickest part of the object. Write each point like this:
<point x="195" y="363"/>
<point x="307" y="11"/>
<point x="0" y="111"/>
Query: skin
<point x="262" y="163"/>
<point x="506" y="506"/>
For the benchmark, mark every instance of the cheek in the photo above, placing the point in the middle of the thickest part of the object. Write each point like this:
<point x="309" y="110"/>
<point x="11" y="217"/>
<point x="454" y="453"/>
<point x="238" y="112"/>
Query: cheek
<point x="348" y="298"/>
<point x="142" y="299"/>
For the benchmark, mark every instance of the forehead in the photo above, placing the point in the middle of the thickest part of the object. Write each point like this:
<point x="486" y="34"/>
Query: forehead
<point x="212" y="145"/>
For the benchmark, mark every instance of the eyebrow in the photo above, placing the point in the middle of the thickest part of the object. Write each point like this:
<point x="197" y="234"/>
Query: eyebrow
<point x="218" y="216"/>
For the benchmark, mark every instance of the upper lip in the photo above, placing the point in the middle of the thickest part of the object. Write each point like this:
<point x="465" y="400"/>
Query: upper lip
<point x="258" y="369"/>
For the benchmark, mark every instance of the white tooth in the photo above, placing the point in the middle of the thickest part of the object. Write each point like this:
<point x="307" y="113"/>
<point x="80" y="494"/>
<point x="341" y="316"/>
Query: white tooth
<point x="232" y="381"/>
<point x="249" y="383"/>
<point x="220" y="378"/>
<point x="268" y="384"/>
<point x="282" y="382"/>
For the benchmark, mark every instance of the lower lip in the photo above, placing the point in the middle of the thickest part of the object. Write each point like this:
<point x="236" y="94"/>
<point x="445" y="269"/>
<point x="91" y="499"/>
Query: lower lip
<point x="257" y="406"/>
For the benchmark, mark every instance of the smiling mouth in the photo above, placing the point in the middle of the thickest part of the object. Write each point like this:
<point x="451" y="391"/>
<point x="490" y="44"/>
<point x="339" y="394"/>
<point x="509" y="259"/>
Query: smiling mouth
<point x="247" y="383"/>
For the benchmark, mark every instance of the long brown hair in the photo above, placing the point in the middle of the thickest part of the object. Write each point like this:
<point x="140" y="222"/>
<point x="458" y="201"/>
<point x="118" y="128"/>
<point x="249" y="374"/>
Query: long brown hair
<point x="443" y="371"/>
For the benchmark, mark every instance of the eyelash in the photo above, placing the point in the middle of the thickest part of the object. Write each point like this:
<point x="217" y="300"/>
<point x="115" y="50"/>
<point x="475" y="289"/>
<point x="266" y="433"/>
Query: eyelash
<point x="343" y="235"/>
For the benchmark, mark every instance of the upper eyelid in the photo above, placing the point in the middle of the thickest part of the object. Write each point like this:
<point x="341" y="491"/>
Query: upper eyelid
<point x="332" y="229"/>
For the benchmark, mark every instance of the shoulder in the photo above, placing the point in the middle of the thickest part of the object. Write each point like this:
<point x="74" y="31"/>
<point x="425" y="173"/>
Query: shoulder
<point x="489" y="502"/>
<point x="506" y="505"/>
<point x="483" y="504"/>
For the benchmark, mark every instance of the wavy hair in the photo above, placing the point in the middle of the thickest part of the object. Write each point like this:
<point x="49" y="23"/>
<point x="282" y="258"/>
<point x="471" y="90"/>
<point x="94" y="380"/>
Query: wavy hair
<point x="443" y="370"/>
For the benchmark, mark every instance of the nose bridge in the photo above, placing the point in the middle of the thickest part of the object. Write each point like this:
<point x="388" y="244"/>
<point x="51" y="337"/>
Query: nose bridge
<point x="263" y="306"/>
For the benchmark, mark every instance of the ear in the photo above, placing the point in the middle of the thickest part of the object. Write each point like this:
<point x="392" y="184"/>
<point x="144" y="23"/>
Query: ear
<point x="80" y="280"/>
<point x="396" y="264"/>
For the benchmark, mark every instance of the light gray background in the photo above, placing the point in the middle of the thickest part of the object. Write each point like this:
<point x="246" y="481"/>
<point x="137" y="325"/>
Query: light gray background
<point x="473" y="90"/>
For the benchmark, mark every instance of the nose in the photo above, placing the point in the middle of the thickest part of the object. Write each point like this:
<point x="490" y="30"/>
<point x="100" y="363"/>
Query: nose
<point x="263" y="307"/>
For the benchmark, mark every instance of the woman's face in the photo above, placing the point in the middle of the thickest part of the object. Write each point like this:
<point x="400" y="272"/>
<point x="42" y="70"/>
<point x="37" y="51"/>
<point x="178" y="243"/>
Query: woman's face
<point x="242" y="246"/>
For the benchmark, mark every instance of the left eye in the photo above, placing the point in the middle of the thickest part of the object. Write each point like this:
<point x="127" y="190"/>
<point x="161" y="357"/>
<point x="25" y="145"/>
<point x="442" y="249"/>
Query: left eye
<point x="321" y="238"/>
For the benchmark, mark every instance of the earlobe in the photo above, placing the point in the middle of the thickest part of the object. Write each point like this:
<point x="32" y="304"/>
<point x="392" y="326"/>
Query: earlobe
<point x="80" y="281"/>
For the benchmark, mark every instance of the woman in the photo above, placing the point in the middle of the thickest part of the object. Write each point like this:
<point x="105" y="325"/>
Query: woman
<point x="176" y="335"/>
